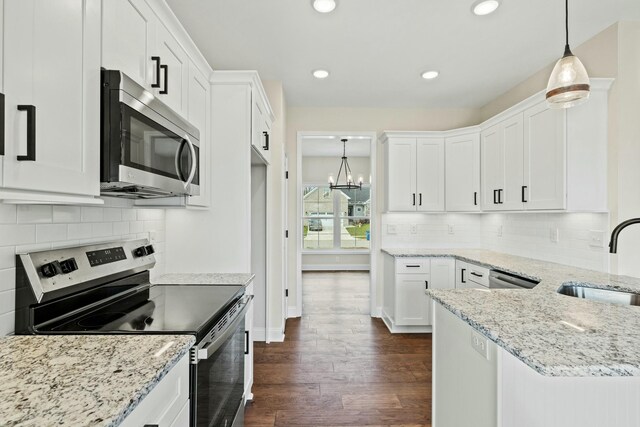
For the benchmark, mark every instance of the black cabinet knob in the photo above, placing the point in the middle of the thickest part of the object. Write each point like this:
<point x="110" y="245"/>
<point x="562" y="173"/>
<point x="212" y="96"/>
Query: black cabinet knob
<point x="51" y="269"/>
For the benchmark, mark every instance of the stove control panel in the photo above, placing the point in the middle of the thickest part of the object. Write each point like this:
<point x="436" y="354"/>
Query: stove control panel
<point x="62" y="271"/>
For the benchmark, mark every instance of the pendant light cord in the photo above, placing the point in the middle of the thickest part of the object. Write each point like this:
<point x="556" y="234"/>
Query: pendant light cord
<point x="567" y="50"/>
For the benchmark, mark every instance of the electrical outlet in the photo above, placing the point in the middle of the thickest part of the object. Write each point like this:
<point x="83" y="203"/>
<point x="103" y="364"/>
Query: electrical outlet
<point x="499" y="231"/>
<point x="392" y="229"/>
<point x="451" y="229"/>
<point x="554" y="235"/>
<point x="413" y="228"/>
<point x="596" y="238"/>
<point x="480" y="344"/>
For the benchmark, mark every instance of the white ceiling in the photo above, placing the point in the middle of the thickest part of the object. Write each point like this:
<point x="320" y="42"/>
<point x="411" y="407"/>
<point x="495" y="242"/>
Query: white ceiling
<point x="332" y="147"/>
<point x="376" y="49"/>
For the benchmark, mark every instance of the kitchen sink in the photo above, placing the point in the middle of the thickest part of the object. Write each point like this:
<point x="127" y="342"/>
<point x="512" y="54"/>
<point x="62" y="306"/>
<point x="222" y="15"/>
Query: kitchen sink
<point x="602" y="295"/>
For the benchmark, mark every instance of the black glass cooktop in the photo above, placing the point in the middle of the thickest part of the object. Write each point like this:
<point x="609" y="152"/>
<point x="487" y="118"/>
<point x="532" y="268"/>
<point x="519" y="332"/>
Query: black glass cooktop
<point x="174" y="309"/>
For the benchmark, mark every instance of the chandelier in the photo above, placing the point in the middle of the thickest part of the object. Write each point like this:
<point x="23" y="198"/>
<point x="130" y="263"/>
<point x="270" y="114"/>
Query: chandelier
<point x="348" y="177"/>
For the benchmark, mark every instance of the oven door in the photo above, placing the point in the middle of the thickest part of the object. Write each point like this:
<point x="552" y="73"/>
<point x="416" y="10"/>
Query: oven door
<point x="217" y="379"/>
<point x="156" y="153"/>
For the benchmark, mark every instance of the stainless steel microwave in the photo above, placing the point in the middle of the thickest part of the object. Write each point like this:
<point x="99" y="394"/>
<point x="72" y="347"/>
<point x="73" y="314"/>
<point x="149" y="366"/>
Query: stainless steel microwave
<point x="147" y="149"/>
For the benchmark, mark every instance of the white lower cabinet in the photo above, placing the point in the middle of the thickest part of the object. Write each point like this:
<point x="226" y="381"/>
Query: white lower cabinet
<point x="406" y="306"/>
<point x="471" y="276"/>
<point x="248" y="357"/>
<point x="168" y="403"/>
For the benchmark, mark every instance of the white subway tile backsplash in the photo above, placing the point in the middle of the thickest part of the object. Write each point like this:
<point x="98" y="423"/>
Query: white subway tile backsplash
<point x="51" y="232"/>
<point x="17" y="234"/>
<point x="101" y="229"/>
<point x="8" y="214"/>
<point x="135" y="227"/>
<point x="121" y="228"/>
<point x="78" y="231"/>
<point x="7" y="257"/>
<point x="150" y="215"/>
<point x="66" y="214"/>
<point x="34" y="214"/>
<point x="8" y="278"/>
<point x="23" y="249"/>
<point x="92" y="214"/>
<point x="112" y="215"/>
<point x="7" y="301"/>
<point x="129" y="214"/>
<point x="7" y="323"/>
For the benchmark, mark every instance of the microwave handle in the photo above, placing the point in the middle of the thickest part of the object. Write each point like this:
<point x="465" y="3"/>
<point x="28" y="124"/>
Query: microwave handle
<point x="177" y="160"/>
<point x="194" y="165"/>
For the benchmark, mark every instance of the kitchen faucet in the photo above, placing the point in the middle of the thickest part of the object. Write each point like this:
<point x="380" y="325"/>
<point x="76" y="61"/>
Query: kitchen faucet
<point x="613" y="244"/>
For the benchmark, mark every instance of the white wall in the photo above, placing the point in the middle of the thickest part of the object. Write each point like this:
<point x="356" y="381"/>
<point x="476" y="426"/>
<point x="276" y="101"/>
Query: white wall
<point x="26" y="228"/>
<point x="317" y="169"/>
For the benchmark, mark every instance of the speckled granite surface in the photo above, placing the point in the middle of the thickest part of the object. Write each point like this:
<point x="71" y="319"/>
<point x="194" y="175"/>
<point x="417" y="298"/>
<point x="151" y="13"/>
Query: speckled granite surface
<point x="204" y="279"/>
<point x="81" y="380"/>
<point x="556" y="335"/>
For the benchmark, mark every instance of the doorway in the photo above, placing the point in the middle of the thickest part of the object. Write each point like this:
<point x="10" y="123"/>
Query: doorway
<point x="337" y="226"/>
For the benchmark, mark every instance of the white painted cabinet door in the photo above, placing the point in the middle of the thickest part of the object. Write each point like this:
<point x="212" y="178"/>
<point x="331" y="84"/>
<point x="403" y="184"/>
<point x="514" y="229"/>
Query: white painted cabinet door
<point x="412" y="303"/>
<point x="174" y="73"/>
<point x="443" y="273"/>
<point x="492" y="167"/>
<point x="430" y="174"/>
<point x="463" y="173"/>
<point x="510" y="198"/>
<point x="129" y="40"/>
<point x="248" y="358"/>
<point x="401" y="175"/>
<point x="544" y="158"/>
<point x="260" y="127"/>
<point x="198" y="113"/>
<point x="52" y="65"/>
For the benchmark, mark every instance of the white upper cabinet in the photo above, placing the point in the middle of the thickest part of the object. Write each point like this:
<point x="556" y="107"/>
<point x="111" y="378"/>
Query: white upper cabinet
<point x="261" y="121"/>
<point x="401" y="174"/>
<point x="430" y="174"/>
<point x="129" y="40"/>
<point x="198" y="111"/>
<point x="52" y="88"/>
<point x="463" y="172"/>
<point x="502" y="166"/>
<point x="544" y="158"/>
<point x="415" y="173"/>
<point x="174" y="71"/>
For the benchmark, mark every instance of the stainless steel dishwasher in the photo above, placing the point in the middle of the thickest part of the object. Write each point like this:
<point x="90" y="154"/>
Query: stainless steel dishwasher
<point x="502" y="280"/>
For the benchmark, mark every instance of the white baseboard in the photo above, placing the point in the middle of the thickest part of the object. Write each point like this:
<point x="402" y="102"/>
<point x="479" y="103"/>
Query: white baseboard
<point x="336" y="267"/>
<point x="397" y="329"/>
<point x="377" y="312"/>
<point x="275" y="335"/>
<point x="292" y="312"/>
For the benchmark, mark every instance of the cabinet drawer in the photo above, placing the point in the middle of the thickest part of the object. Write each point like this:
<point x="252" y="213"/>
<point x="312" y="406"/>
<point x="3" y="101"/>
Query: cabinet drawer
<point x="474" y="274"/>
<point x="413" y="266"/>
<point x="165" y="403"/>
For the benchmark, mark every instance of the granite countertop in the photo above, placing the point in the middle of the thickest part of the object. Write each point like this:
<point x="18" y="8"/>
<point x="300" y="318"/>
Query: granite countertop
<point x="235" y="279"/>
<point x="555" y="334"/>
<point x="81" y="380"/>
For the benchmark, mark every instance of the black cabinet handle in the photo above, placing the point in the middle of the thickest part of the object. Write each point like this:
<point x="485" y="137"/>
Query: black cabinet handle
<point x="414" y="199"/>
<point x="165" y="90"/>
<point x="156" y="59"/>
<point x="475" y="198"/>
<point x="524" y="188"/>
<point x="426" y="284"/>
<point x="412" y="266"/>
<point x="500" y="196"/>
<point x="246" y="348"/>
<point x="266" y="140"/>
<point x="31" y="132"/>
<point x="152" y="425"/>
<point x="473" y="273"/>
<point x="420" y="199"/>
<point x="2" y="124"/>
<point x="495" y="197"/>
<point x="462" y="275"/>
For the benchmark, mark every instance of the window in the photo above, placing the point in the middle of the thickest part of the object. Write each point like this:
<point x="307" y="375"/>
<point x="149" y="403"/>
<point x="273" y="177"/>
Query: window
<point x="335" y="219"/>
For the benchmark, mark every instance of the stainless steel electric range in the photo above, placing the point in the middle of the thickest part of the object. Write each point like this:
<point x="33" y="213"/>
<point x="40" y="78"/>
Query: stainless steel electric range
<point x="105" y="289"/>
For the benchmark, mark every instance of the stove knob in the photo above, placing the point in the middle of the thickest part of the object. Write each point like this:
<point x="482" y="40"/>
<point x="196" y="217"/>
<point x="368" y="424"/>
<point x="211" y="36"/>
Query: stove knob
<point x="51" y="269"/>
<point x="141" y="251"/>
<point x="69" y="265"/>
<point x="150" y="250"/>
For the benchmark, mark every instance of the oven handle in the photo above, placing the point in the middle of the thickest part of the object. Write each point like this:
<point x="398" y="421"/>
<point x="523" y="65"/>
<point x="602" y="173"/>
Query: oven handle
<point x="206" y="352"/>
<point x="194" y="161"/>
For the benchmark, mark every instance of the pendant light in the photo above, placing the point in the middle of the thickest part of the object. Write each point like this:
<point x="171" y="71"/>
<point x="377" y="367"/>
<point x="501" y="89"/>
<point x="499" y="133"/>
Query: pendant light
<point x="569" y="83"/>
<point x="344" y="165"/>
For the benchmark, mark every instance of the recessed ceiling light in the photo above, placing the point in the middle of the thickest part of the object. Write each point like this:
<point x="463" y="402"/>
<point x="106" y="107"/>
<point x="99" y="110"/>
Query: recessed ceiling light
<point x="324" y="6"/>
<point x="485" y="7"/>
<point x="430" y="75"/>
<point x="320" y="74"/>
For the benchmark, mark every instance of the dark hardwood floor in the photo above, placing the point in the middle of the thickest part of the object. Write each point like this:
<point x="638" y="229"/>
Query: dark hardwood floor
<point x="339" y="367"/>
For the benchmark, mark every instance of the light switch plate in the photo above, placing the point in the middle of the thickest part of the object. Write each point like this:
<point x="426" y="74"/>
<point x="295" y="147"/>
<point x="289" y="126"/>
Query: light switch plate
<point x="451" y="229"/>
<point x="554" y="235"/>
<point x="392" y="229"/>
<point x="499" y="231"/>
